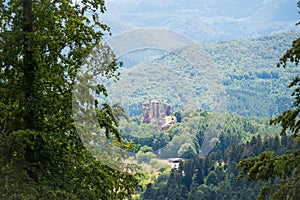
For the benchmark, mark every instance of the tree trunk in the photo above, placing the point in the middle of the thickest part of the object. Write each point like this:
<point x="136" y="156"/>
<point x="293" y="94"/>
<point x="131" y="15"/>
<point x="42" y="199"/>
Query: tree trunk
<point x="29" y="67"/>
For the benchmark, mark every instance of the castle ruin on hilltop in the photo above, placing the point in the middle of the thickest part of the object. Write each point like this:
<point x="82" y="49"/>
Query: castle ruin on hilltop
<point x="158" y="114"/>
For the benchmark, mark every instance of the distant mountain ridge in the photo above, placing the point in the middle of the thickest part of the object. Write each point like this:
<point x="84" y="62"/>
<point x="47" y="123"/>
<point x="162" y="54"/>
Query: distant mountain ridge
<point x="204" y="20"/>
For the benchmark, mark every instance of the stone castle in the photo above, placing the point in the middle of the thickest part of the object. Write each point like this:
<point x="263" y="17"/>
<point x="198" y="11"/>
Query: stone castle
<point x="156" y="113"/>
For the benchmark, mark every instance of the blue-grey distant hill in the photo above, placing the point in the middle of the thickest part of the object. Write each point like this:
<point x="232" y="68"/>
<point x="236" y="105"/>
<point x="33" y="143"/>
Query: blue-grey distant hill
<point x="204" y="20"/>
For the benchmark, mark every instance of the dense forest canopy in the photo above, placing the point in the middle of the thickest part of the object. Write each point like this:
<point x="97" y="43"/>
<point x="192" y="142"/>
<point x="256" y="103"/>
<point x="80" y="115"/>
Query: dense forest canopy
<point x="246" y="77"/>
<point x="215" y="176"/>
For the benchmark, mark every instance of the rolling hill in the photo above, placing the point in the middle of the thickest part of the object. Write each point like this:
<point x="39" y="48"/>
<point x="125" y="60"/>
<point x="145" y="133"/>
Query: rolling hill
<point x="234" y="76"/>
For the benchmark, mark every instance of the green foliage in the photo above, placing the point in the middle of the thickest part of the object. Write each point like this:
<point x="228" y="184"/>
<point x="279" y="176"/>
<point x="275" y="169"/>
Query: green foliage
<point x="187" y="151"/>
<point x="280" y="172"/>
<point x="211" y="177"/>
<point x="289" y="119"/>
<point x="215" y="176"/>
<point x="185" y="139"/>
<point x="145" y="157"/>
<point x="178" y="116"/>
<point x="38" y="165"/>
<point x="245" y="70"/>
<point x="43" y="46"/>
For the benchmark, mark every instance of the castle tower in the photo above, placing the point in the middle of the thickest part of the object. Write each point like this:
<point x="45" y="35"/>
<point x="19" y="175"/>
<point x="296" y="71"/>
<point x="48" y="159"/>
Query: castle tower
<point x="156" y="112"/>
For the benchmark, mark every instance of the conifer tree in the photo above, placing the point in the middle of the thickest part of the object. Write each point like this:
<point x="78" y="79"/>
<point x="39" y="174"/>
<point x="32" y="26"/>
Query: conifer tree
<point x="269" y="167"/>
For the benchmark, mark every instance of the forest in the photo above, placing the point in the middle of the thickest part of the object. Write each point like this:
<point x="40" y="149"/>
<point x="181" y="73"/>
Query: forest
<point x="71" y="112"/>
<point x="245" y="79"/>
<point x="214" y="176"/>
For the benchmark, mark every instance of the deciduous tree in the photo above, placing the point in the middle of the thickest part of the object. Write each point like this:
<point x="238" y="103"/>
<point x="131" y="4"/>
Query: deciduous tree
<point x="43" y="44"/>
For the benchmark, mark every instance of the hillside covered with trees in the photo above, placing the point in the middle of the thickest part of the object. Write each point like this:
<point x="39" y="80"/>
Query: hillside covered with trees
<point x="242" y="72"/>
<point x="215" y="176"/>
<point x="212" y="176"/>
